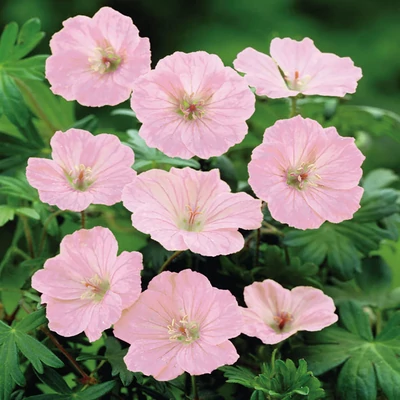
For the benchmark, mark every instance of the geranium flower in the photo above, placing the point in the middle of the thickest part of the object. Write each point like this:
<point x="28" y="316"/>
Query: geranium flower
<point x="190" y="104"/>
<point x="187" y="209"/>
<point x="180" y="323"/>
<point x="307" y="174"/>
<point x="96" y="61"/>
<point x="275" y="313"/>
<point x="85" y="169"/>
<point x="297" y="67"/>
<point x="87" y="286"/>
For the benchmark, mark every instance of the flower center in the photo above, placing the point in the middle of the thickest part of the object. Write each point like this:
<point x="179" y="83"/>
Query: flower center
<point x="297" y="83"/>
<point x="80" y="178"/>
<point x="104" y="60"/>
<point x="283" y="319"/>
<point x="191" y="221"/>
<point x="96" y="288"/>
<point x="191" y="108"/>
<point x="184" y="331"/>
<point x="302" y="176"/>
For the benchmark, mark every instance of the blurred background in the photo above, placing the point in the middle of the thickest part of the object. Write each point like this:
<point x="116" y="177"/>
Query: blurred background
<point x="368" y="31"/>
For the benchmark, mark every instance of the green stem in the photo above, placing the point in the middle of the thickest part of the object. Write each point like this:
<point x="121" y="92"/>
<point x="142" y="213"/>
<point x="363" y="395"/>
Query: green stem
<point x="378" y="323"/>
<point x="170" y="259"/>
<point x="85" y="377"/>
<point x="28" y="236"/>
<point x="257" y="256"/>
<point x="194" y="388"/>
<point x="44" y="231"/>
<point x="293" y="108"/>
<point x="39" y="111"/>
<point x="83" y="219"/>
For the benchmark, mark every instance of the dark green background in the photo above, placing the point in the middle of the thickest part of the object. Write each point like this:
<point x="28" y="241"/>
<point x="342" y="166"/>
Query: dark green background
<point x="368" y="31"/>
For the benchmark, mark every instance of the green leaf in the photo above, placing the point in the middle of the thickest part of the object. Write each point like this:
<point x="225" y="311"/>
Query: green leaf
<point x="89" y="123"/>
<point x="370" y="287"/>
<point x="6" y="214"/>
<point x="326" y="243"/>
<point x="36" y="352"/>
<point x="147" y="158"/>
<point x="279" y="381"/>
<point x="379" y="179"/>
<point x="11" y="373"/>
<point x="54" y="380"/>
<point x="11" y="101"/>
<point x="377" y="204"/>
<point x="31" y="321"/>
<point x="94" y="392"/>
<point x="27" y="212"/>
<point x="355" y="320"/>
<point x="368" y="363"/>
<point x="240" y="375"/>
<point x="357" y="380"/>
<point x="7" y="40"/>
<point x="258" y="395"/>
<point x="28" y="68"/>
<point x="115" y="355"/>
<point x="28" y="38"/>
<point x="17" y="188"/>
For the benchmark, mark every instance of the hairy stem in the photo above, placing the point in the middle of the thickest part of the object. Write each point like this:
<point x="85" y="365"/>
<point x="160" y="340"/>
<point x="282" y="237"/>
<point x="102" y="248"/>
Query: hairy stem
<point x="194" y="388"/>
<point x="170" y="259"/>
<point x="44" y="231"/>
<point x="28" y="236"/>
<point x="293" y="107"/>
<point x="83" y="219"/>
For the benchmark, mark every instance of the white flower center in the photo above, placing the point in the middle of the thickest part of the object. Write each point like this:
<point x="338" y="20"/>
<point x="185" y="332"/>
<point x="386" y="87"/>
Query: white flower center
<point x="80" y="178"/>
<point x="191" y="108"/>
<point x="296" y="82"/>
<point x="184" y="331"/>
<point x="104" y="60"/>
<point x="302" y="176"/>
<point x="191" y="220"/>
<point x="96" y="288"/>
<point x="282" y="320"/>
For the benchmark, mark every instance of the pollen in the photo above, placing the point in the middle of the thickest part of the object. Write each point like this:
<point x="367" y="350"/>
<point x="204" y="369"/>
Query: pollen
<point x="95" y="288"/>
<point x="80" y="178"/>
<point x="183" y="331"/>
<point x="283" y="319"/>
<point x="191" y="108"/>
<point x="104" y="60"/>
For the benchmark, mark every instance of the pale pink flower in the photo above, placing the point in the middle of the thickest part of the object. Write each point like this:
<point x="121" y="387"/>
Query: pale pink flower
<point x="190" y="104"/>
<point x="87" y="285"/>
<point x="85" y="169"/>
<point x="275" y="313"/>
<point x="180" y="323"/>
<point x="187" y="209"/>
<point x="297" y="67"/>
<point x="307" y="174"/>
<point x="96" y="61"/>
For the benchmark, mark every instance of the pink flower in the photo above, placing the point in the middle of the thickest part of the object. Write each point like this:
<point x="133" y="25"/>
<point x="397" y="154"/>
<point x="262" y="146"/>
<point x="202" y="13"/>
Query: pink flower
<point x="304" y="68"/>
<point x="96" y="61"/>
<point x="307" y="174"/>
<point x="85" y="169"/>
<point x="180" y="323"/>
<point x="190" y="104"/>
<point x="275" y="313"/>
<point x="187" y="209"/>
<point x="87" y="286"/>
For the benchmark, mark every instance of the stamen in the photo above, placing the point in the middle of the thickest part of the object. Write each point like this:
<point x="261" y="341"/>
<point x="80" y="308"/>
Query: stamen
<point x="191" y="108"/>
<point x="282" y="319"/>
<point x="80" y="177"/>
<point x="184" y="331"/>
<point x="302" y="176"/>
<point x="96" y="288"/>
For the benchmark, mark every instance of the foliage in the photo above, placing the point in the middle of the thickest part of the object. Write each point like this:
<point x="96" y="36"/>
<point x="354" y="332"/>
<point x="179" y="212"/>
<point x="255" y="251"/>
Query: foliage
<point x="358" y="358"/>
